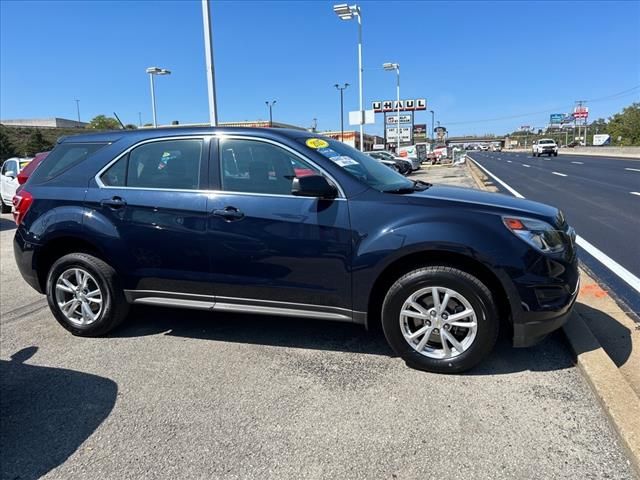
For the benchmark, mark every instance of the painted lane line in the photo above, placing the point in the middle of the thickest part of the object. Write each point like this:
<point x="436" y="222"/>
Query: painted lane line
<point x="611" y="264"/>
<point x="578" y="163"/>
<point x="525" y="165"/>
<point x="633" y="169"/>
<point x="509" y="161"/>
<point x="635" y="193"/>
<point x="558" y="173"/>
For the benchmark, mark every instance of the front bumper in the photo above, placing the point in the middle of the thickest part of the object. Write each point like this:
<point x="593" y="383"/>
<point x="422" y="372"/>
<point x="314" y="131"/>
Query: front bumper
<point x="533" y="326"/>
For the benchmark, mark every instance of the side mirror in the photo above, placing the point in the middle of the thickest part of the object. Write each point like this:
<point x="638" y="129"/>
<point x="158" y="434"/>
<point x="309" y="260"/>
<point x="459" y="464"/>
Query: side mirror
<point x="10" y="174"/>
<point x="313" y="186"/>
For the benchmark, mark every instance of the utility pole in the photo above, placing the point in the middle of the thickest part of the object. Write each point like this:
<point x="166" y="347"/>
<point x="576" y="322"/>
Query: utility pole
<point x="579" y="104"/>
<point x="270" y="105"/>
<point x="139" y="119"/>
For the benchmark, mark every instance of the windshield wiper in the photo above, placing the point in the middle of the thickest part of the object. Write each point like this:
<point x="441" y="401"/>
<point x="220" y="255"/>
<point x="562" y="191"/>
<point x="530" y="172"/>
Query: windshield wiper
<point x="418" y="186"/>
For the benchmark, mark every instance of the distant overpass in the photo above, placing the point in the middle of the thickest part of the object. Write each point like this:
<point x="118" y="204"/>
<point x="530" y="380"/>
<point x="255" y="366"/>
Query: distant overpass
<point x="502" y="140"/>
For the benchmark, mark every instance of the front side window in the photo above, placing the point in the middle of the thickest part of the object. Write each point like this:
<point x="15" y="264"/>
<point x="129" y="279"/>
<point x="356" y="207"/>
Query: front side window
<point x="171" y="164"/>
<point x="253" y="166"/>
<point x="9" y="166"/>
<point x="358" y="164"/>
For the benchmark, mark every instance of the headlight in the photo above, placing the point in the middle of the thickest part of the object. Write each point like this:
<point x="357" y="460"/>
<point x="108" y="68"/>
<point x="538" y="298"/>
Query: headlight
<point x="536" y="233"/>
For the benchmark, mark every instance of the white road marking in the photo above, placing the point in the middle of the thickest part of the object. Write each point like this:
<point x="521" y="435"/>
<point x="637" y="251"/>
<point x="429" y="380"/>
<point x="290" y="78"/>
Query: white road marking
<point x="633" y="169"/>
<point x="635" y="193"/>
<point x="509" y="161"/>
<point x="525" y="165"/>
<point x="578" y="163"/>
<point x="611" y="264"/>
<point x="558" y="173"/>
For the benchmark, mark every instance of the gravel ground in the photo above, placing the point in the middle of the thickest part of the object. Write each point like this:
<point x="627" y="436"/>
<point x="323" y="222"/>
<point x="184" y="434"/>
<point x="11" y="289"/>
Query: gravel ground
<point x="183" y="394"/>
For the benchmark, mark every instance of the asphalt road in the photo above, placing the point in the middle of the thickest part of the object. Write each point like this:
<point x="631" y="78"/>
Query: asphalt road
<point x="183" y="394"/>
<point x="600" y="197"/>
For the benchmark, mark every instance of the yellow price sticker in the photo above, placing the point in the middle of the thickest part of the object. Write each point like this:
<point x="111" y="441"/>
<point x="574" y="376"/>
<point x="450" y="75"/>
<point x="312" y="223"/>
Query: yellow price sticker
<point x="316" y="143"/>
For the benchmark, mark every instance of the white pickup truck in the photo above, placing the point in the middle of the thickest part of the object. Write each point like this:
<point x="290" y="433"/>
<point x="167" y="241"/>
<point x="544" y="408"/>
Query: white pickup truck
<point x="9" y="180"/>
<point x="544" y="146"/>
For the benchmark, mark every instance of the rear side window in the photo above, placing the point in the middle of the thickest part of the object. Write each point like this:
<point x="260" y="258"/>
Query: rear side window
<point x="62" y="157"/>
<point x="171" y="164"/>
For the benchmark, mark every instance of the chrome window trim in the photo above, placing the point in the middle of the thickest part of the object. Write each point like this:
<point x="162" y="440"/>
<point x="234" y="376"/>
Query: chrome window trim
<point x="231" y="136"/>
<point x="219" y="136"/>
<point x="144" y="142"/>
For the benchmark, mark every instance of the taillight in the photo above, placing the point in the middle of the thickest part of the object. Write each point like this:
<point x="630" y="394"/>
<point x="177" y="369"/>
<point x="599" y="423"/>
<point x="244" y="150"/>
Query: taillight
<point x="21" y="203"/>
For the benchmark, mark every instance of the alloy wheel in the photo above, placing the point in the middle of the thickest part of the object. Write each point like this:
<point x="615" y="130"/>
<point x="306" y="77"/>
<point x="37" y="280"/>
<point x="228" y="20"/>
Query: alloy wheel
<point x="438" y="322"/>
<point x="79" y="296"/>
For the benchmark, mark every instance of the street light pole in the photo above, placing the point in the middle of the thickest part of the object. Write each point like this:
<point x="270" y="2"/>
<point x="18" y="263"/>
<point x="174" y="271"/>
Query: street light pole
<point x="155" y="71"/>
<point x="341" y="109"/>
<point x="347" y="12"/>
<point x="396" y="67"/>
<point x="208" y="54"/>
<point x="433" y="123"/>
<point x="270" y="105"/>
<point x="78" y="109"/>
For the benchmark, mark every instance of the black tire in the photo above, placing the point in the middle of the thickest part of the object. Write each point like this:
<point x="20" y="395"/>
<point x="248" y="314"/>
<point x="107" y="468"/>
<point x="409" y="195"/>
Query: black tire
<point x="475" y="292"/>
<point x="5" y="208"/>
<point x="555" y="154"/>
<point x="114" y="305"/>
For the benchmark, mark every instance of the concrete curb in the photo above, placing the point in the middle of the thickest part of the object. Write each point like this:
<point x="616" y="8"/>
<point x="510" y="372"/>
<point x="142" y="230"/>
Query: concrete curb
<point x="617" y="398"/>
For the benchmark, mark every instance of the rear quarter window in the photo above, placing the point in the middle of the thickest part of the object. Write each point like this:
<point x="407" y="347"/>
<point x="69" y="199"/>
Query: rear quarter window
<point x="63" y="157"/>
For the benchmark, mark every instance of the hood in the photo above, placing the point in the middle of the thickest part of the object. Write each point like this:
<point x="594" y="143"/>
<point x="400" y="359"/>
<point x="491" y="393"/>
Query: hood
<point x="496" y="202"/>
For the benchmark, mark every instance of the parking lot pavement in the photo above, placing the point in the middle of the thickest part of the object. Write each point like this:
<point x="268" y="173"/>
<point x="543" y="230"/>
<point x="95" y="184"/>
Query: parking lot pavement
<point x="194" y="395"/>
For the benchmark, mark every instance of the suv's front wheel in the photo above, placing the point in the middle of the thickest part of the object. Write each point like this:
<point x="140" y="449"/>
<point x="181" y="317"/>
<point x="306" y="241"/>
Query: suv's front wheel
<point x="440" y="319"/>
<point x="85" y="296"/>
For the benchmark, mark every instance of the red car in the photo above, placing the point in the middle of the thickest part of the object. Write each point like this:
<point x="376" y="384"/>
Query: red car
<point x="31" y="166"/>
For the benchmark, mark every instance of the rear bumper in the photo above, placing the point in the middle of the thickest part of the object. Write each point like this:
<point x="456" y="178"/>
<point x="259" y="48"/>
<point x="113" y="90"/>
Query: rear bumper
<point x="23" y="253"/>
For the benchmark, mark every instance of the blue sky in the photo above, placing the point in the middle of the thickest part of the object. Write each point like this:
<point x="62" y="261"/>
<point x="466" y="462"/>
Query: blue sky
<point x="473" y="61"/>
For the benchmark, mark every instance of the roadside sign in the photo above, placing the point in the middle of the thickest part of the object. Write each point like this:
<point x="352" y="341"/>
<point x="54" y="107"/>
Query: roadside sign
<point x="393" y="119"/>
<point x="392" y="134"/>
<point x="556" y="118"/>
<point x="601" y="139"/>
<point x="420" y="132"/>
<point x="581" y="112"/>
<point x="421" y="104"/>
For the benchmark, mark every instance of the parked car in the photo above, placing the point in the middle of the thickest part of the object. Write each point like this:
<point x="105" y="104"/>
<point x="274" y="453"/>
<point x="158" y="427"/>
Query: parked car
<point x="30" y="167"/>
<point x="496" y="148"/>
<point x="544" y="146"/>
<point x="11" y="168"/>
<point x="402" y="165"/>
<point x="410" y="153"/>
<point x="225" y="225"/>
<point x="484" y="147"/>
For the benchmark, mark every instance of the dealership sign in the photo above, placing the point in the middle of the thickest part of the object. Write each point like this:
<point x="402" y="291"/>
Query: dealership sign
<point x="420" y="131"/>
<point x="393" y="119"/>
<point x="403" y="105"/>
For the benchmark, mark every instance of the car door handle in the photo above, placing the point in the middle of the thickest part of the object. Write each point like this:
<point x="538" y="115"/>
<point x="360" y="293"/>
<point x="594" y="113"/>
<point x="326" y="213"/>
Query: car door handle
<point x="230" y="214"/>
<point x="113" y="203"/>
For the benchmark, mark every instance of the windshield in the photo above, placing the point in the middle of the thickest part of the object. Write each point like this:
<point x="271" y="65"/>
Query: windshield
<point x="359" y="165"/>
<point x="545" y="142"/>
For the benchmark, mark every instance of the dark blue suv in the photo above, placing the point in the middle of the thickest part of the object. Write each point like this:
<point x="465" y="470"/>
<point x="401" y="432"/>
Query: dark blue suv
<point x="283" y="222"/>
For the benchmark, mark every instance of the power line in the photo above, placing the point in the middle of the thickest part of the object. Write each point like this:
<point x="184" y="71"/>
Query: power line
<point x="567" y="107"/>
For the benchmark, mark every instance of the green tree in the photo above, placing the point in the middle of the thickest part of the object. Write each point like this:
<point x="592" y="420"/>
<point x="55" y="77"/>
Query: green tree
<point x="36" y="143"/>
<point x="7" y="150"/>
<point x="102" y="122"/>
<point x="625" y="125"/>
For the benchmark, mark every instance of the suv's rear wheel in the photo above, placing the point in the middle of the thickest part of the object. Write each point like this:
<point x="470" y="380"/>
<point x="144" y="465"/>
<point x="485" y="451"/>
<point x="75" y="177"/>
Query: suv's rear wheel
<point x="440" y="319"/>
<point x="85" y="296"/>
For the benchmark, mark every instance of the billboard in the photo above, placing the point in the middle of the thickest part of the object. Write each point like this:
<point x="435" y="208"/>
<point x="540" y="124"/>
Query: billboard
<point x="581" y="112"/>
<point x="556" y="118"/>
<point x="601" y="139"/>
